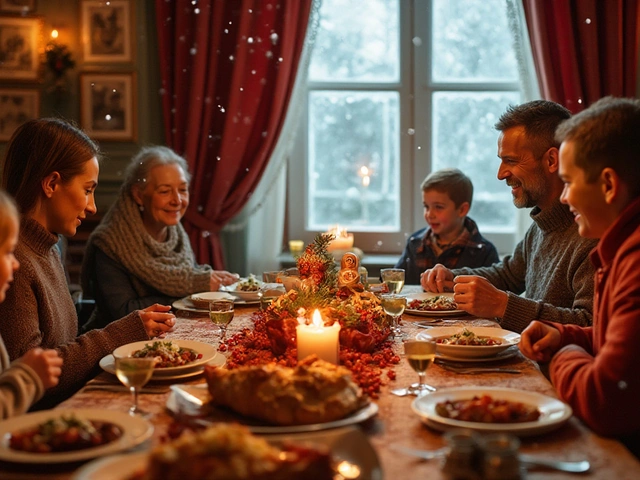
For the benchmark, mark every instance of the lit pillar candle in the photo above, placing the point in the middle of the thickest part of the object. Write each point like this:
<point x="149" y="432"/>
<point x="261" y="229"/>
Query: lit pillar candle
<point x="342" y="240"/>
<point x="318" y="339"/>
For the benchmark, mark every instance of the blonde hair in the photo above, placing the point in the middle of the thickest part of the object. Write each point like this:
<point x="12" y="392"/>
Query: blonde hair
<point x="8" y="215"/>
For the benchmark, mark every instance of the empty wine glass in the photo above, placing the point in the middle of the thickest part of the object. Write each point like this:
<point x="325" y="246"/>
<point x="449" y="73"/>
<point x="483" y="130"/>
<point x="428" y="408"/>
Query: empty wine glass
<point x="394" y="305"/>
<point x="221" y="313"/>
<point x="393" y="278"/>
<point x="420" y="355"/>
<point x="134" y="373"/>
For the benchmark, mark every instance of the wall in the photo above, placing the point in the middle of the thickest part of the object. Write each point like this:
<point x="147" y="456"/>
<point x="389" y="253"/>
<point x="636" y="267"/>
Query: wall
<point x="65" y="16"/>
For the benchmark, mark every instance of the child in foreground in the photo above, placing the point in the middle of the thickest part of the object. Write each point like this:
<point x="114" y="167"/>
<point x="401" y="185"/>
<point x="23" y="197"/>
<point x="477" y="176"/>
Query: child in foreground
<point x="450" y="238"/>
<point x="22" y="382"/>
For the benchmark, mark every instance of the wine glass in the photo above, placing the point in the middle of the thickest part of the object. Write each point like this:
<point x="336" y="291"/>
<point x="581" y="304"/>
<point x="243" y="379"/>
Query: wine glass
<point x="393" y="278"/>
<point x="221" y="313"/>
<point x="134" y="373"/>
<point x="394" y="305"/>
<point x="420" y="354"/>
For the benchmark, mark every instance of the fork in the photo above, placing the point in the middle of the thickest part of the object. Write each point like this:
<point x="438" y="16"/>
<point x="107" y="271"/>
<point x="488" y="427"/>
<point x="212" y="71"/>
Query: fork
<point x="475" y="370"/>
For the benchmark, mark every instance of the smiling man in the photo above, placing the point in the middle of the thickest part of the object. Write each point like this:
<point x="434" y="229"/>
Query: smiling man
<point x="595" y="369"/>
<point x="551" y="264"/>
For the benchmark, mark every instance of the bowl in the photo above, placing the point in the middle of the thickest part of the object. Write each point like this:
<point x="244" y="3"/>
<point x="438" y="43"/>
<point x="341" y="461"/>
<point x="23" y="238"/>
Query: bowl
<point x="202" y="299"/>
<point x="506" y="337"/>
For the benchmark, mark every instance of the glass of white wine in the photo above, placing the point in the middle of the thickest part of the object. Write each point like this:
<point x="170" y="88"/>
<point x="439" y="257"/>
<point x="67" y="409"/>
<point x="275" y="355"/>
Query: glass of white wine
<point x="134" y="373"/>
<point x="221" y="313"/>
<point x="420" y="355"/>
<point x="394" y="305"/>
<point x="393" y="278"/>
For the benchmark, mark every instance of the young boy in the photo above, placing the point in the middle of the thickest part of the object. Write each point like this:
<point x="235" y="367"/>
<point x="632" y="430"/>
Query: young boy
<point x="595" y="369"/>
<point x="451" y="238"/>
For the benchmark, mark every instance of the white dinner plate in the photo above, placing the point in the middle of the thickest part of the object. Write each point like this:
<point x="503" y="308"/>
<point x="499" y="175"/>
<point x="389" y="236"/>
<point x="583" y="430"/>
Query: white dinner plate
<point x="194" y="403"/>
<point x="503" y="355"/>
<point x="507" y="338"/>
<point x="108" y="364"/>
<point x="553" y="412"/>
<point x="346" y="444"/>
<point x="135" y="430"/>
<point x="208" y="352"/>
<point x="431" y="313"/>
<point x="187" y="305"/>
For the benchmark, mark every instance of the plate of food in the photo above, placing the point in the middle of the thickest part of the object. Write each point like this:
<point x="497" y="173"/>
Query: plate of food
<point x="201" y="300"/>
<point x="61" y="436"/>
<point x="429" y="304"/>
<point x="318" y="395"/>
<point x="470" y="342"/>
<point x="492" y="409"/>
<point x="175" y="357"/>
<point x="247" y="289"/>
<point x="321" y="454"/>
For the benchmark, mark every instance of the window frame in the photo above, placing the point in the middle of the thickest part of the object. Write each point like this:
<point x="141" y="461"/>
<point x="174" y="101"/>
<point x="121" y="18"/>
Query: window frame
<point x="416" y="151"/>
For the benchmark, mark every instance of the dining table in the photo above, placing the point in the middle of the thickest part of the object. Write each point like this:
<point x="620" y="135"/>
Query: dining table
<point x="394" y="425"/>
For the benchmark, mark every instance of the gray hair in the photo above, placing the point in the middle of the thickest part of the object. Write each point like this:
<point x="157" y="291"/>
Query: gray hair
<point x="148" y="158"/>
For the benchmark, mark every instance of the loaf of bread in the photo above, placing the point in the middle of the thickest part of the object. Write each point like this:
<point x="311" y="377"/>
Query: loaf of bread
<point x="313" y="392"/>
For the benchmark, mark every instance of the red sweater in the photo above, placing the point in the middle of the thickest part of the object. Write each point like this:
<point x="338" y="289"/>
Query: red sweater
<point x="597" y="372"/>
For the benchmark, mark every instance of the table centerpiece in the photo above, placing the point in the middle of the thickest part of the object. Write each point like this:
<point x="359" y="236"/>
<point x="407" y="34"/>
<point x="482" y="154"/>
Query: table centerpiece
<point x="364" y="328"/>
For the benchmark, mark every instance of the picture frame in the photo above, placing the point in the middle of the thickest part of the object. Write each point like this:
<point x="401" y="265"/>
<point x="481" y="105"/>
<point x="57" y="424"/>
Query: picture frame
<point x="107" y="35"/>
<point x="17" y="105"/>
<point x="108" y="106"/>
<point x="20" y="39"/>
<point x="17" y="6"/>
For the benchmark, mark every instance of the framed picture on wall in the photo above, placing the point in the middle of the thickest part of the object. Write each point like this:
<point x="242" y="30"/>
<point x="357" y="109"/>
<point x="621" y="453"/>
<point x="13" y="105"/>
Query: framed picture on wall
<point x="16" y="107"/>
<point x="19" y="48"/>
<point x="106" y="31"/>
<point x="108" y="106"/>
<point x="17" y="6"/>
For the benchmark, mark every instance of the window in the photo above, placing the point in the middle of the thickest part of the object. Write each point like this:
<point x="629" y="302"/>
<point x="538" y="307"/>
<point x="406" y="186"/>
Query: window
<point x="395" y="91"/>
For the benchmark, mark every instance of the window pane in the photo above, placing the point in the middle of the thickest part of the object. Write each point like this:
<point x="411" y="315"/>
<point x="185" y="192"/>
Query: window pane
<point x="465" y="138"/>
<point x="351" y="46"/>
<point x="472" y="44"/>
<point x="349" y="131"/>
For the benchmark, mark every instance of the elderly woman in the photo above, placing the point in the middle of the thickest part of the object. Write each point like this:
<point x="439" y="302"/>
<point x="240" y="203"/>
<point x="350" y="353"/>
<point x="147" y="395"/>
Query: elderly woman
<point x="51" y="168"/>
<point x="140" y="253"/>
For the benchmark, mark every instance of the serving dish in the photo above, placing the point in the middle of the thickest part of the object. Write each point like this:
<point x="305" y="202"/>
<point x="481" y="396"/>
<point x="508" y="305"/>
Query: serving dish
<point x="347" y="444"/>
<point x="192" y="400"/>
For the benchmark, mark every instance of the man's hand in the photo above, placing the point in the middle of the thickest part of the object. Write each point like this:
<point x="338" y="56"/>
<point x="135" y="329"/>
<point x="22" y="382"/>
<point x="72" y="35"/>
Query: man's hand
<point x="539" y="341"/>
<point x="437" y="279"/>
<point x="477" y="296"/>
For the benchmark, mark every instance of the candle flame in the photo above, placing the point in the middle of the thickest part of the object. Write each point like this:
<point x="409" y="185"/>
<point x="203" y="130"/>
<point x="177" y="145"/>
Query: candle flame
<point x="338" y="232"/>
<point x="317" y="319"/>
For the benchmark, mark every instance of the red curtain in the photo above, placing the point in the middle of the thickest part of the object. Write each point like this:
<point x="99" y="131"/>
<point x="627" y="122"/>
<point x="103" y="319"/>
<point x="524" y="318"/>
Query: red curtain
<point x="584" y="49"/>
<point x="227" y="70"/>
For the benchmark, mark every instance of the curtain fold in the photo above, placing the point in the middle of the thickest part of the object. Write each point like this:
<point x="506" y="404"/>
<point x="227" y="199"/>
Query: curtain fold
<point x="584" y="50"/>
<point x="227" y="69"/>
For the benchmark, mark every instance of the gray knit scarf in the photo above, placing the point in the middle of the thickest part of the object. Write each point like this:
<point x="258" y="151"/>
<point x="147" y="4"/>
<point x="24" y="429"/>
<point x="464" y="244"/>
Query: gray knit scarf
<point x="167" y="266"/>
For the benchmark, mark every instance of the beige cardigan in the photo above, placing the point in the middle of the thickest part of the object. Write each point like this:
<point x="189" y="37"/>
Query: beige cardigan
<point x="19" y="386"/>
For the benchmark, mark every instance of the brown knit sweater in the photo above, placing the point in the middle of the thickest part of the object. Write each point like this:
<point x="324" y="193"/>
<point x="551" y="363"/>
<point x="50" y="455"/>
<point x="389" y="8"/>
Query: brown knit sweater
<point x="39" y="311"/>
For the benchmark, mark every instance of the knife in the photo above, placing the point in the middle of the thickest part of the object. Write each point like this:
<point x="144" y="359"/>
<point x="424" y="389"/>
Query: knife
<point x="580" y="466"/>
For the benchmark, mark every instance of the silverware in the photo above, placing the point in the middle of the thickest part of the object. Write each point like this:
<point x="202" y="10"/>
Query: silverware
<point x="122" y="388"/>
<point x="581" y="466"/>
<point x="403" y="392"/>
<point x="475" y="370"/>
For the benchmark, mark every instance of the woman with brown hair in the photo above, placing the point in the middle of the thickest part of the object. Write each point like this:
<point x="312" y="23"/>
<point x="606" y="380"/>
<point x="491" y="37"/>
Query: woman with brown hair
<point x="51" y="168"/>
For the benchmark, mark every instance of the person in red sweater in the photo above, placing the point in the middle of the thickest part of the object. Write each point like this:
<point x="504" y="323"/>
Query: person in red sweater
<point x="595" y="369"/>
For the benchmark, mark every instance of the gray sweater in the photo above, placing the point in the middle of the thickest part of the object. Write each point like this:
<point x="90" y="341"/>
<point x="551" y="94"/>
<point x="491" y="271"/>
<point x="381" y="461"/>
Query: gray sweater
<point x="39" y="311"/>
<point x="551" y="264"/>
<point x="20" y="386"/>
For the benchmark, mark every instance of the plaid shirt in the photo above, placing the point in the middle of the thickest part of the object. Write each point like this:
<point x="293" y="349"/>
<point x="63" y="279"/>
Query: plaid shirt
<point x="470" y="249"/>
